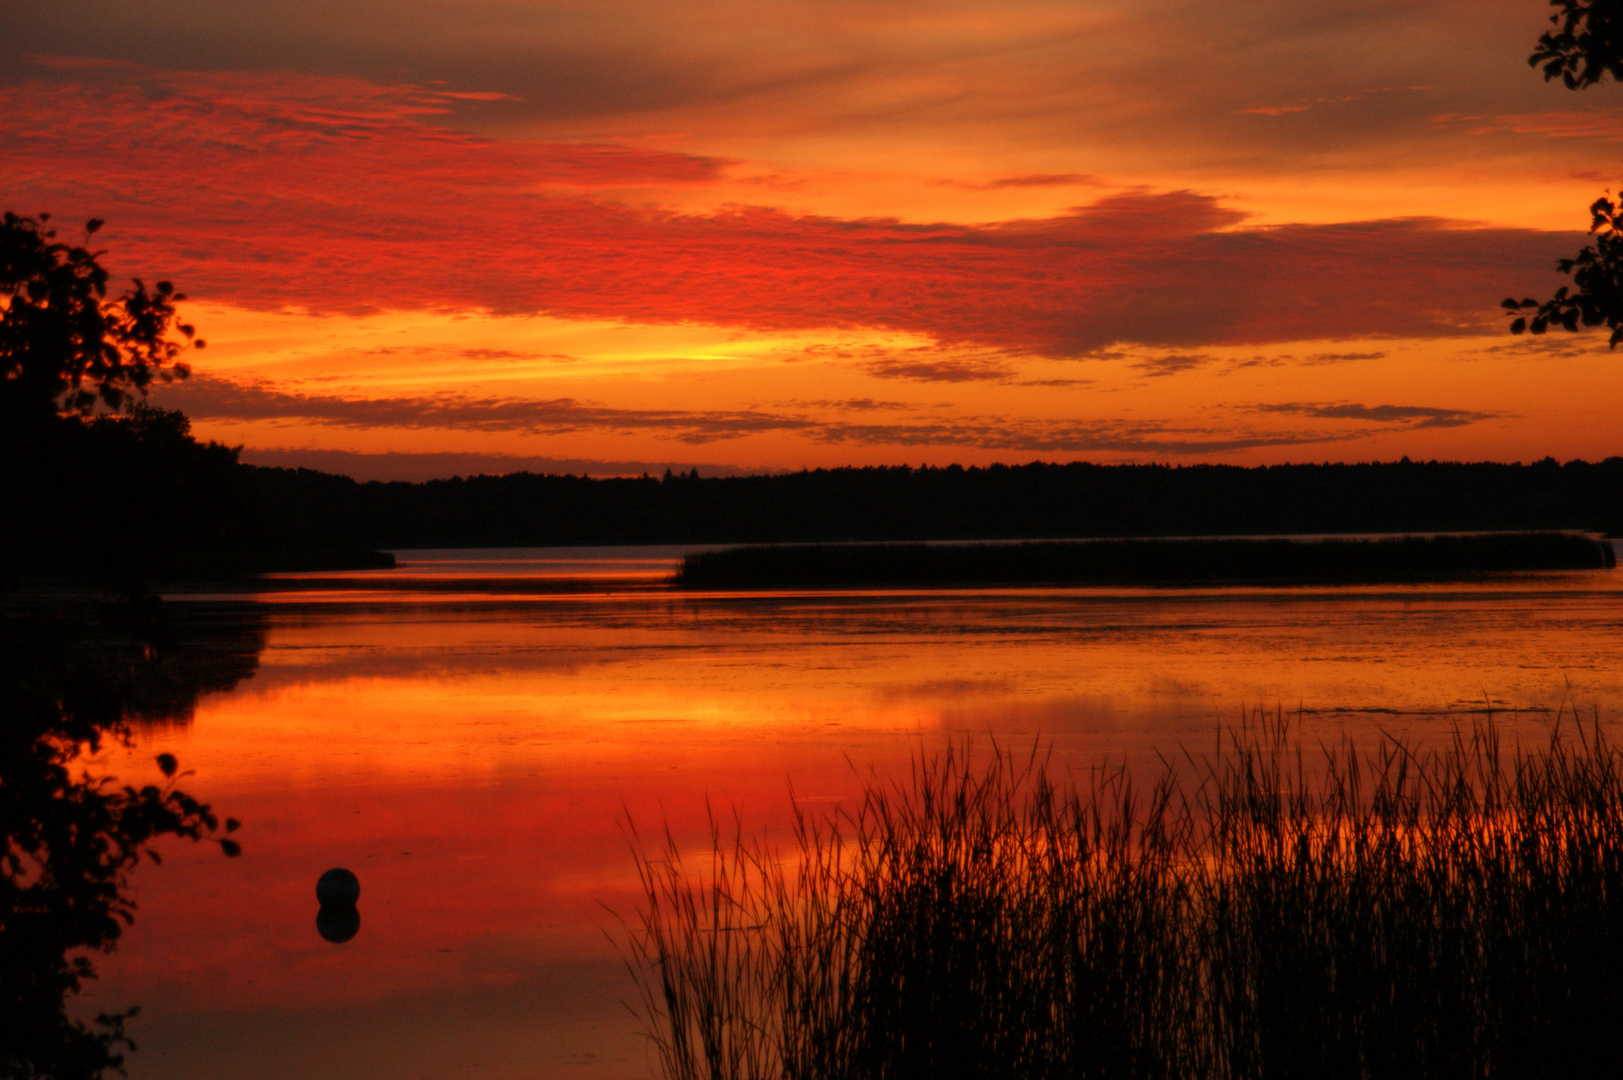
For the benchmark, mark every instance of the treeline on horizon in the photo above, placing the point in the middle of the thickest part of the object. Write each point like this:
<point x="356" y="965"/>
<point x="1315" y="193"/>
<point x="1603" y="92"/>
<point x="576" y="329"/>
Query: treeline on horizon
<point x="301" y="509"/>
<point x="123" y="500"/>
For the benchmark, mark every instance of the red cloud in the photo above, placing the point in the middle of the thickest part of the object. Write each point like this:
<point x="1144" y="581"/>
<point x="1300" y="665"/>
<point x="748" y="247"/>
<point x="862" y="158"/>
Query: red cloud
<point x="215" y="398"/>
<point x="335" y="195"/>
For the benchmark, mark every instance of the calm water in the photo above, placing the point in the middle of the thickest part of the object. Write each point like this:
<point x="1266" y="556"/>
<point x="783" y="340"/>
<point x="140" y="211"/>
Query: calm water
<point x="470" y="733"/>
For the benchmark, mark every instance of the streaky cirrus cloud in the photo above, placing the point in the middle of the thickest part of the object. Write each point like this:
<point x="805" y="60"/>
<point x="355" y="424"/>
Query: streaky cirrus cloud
<point x="1173" y="363"/>
<point x="1168" y="80"/>
<point x="419" y="466"/>
<point x="1593" y="125"/>
<point x="1416" y="416"/>
<point x="332" y="196"/>
<point x="1177" y="363"/>
<point x="940" y="369"/>
<point x="1027" y="180"/>
<point x="214" y="398"/>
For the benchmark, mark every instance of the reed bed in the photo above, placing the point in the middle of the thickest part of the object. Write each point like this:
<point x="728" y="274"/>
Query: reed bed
<point x="1190" y="561"/>
<point x="1269" y="911"/>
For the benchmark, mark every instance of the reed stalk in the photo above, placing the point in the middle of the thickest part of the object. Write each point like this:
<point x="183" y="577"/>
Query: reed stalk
<point x="1267" y="911"/>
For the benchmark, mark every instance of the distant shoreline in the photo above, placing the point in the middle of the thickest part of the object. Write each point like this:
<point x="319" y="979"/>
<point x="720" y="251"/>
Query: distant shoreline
<point x="1152" y="562"/>
<point x="301" y="509"/>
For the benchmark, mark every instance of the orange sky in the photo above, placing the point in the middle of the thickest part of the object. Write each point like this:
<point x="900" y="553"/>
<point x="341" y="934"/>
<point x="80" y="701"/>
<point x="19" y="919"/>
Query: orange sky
<point x="426" y="238"/>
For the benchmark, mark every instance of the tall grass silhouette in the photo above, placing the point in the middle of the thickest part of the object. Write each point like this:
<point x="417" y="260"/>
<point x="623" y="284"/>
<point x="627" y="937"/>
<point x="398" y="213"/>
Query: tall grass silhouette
<point x="1271" y="910"/>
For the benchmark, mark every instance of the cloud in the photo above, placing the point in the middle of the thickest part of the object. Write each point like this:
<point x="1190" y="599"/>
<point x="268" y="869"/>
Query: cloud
<point x="438" y="466"/>
<point x="1274" y="110"/>
<point x="1305" y="105"/>
<point x="208" y="397"/>
<point x="1173" y="363"/>
<point x="1033" y="77"/>
<point x="1550" y="346"/>
<point x="1592" y="125"/>
<point x="1343" y="357"/>
<point x="1179" y="363"/>
<point x="947" y="370"/>
<point x="497" y="354"/>
<point x="1412" y="416"/>
<point x="855" y="404"/>
<point x="1026" y="180"/>
<point x="214" y="398"/>
<point x="334" y="196"/>
<point x="1106" y="436"/>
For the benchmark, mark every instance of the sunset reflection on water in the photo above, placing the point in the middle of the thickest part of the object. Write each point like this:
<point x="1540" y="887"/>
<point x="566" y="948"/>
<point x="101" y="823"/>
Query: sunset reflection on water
<point x="473" y="754"/>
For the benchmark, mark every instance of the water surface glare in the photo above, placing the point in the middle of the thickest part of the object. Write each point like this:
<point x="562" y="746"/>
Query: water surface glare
<point x="469" y="732"/>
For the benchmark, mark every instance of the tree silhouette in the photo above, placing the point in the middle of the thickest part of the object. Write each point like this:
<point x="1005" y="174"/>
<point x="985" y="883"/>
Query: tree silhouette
<point x="66" y="348"/>
<point x="1584" y="46"/>
<point x="98" y="486"/>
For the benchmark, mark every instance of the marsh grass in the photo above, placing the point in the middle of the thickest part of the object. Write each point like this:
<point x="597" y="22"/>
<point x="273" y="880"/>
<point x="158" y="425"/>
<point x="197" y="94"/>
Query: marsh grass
<point x="1189" y="561"/>
<point x="1269" y="910"/>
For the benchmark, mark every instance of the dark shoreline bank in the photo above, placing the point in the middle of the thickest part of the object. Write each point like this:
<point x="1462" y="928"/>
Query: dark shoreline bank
<point x="1142" y="562"/>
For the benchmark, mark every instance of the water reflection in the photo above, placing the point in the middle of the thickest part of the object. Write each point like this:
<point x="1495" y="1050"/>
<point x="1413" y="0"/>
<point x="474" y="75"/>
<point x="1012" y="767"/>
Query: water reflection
<point x="472" y="754"/>
<point x="338" y="924"/>
<point x="493" y="571"/>
<point x="175" y="658"/>
<point x="74" y="682"/>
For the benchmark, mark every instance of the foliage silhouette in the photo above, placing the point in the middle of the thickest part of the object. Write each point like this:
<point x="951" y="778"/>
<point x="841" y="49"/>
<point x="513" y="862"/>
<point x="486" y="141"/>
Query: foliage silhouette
<point x="66" y="348"/>
<point x="1585" y="46"/>
<point x="1597" y="276"/>
<point x="99" y="486"/>
<point x="69" y="840"/>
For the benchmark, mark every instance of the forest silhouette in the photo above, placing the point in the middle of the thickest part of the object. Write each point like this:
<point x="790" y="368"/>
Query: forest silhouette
<point x="303" y="509"/>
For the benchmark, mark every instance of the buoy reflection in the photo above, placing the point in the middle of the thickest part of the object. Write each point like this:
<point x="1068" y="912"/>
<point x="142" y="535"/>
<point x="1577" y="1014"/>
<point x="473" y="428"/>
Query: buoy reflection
<point x="338" y="924"/>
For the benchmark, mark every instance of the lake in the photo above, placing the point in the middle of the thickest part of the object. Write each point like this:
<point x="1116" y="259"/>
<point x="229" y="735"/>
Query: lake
<point x="472" y="732"/>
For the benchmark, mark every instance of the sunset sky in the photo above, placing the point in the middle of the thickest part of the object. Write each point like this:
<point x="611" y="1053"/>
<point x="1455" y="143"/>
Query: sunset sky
<point x="426" y="237"/>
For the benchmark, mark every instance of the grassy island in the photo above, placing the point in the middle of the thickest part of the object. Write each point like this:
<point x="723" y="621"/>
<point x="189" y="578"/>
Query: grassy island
<point x="1194" y="561"/>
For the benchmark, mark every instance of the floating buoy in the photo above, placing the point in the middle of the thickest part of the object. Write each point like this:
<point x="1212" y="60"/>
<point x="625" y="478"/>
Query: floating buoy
<point x="338" y="888"/>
